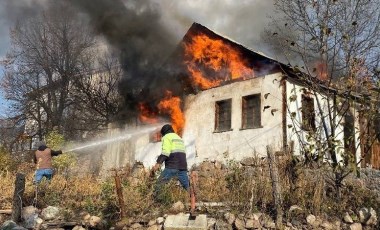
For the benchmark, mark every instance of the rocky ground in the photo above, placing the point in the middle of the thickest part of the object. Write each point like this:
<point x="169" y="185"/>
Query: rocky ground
<point x="51" y="218"/>
<point x="218" y="215"/>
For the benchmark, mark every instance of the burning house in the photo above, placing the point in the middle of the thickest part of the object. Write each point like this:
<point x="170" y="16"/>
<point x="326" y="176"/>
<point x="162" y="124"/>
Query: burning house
<point x="229" y="103"/>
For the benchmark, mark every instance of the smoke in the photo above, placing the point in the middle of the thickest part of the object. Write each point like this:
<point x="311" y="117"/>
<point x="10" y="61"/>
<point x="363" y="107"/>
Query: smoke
<point x="136" y="30"/>
<point x="10" y="13"/>
<point x="146" y="32"/>
<point x="242" y="21"/>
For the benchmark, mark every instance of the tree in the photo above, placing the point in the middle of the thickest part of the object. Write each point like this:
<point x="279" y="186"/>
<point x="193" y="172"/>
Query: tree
<point x="96" y="93"/>
<point x="329" y="33"/>
<point x="334" y="47"/>
<point x="46" y="56"/>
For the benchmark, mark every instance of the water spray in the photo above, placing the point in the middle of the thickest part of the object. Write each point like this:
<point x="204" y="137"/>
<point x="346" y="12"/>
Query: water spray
<point x="123" y="136"/>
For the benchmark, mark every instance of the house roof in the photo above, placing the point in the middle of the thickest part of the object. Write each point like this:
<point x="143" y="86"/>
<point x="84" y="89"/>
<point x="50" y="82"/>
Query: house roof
<point x="179" y="79"/>
<point x="261" y="64"/>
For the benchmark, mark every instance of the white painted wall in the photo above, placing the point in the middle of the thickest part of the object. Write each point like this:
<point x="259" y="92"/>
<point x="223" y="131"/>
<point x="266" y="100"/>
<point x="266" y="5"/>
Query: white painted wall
<point x="201" y="140"/>
<point x="296" y="134"/>
<point x="203" y="143"/>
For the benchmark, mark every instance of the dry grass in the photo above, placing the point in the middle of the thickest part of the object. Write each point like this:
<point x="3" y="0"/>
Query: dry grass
<point x="243" y="189"/>
<point x="212" y="188"/>
<point x="6" y="190"/>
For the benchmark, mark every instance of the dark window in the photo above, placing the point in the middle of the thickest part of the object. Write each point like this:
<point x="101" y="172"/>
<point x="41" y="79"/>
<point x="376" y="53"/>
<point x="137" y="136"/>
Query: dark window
<point x="251" y="111"/>
<point x="349" y="137"/>
<point x="223" y="115"/>
<point x="308" y="113"/>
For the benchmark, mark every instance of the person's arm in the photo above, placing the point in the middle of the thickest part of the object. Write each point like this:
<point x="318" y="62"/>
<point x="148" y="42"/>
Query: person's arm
<point x="56" y="153"/>
<point x="165" y="151"/>
<point x="156" y="167"/>
<point x="164" y="155"/>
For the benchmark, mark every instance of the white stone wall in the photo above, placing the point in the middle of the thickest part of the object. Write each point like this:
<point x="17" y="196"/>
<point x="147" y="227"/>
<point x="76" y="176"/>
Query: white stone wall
<point x="202" y="142"/>
<point x="298" y="136"/>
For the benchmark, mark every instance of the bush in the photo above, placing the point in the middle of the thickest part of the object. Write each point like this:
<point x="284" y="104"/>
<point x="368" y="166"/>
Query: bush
<point x="64" y="161"/>
<point x="6" y="161"/>
<point x="55" y="140"/>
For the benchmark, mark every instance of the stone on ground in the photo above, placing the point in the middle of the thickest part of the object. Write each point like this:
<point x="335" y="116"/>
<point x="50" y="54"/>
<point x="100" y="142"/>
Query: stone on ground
<point x="183" y="221"/>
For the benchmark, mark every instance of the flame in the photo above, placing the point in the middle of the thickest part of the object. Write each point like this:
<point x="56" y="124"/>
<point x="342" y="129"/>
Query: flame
<point x="146" y="115"/>
<point x="225" y="61"/>
<point x="202" y="81"/>
<point x="321" y="70"/>
<point x="171" y="105"/>
<point x="209" y="62"/>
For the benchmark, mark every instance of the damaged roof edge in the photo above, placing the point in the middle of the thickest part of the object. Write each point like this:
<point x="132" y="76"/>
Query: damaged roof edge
<point x="292" y="74"/>
<point x="198" y="28"/>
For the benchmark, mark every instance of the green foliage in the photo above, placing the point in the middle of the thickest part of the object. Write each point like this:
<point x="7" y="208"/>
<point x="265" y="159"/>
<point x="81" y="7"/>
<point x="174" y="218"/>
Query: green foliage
<point x="108" y="198"/>
<point x="108" y="188"/>
<point x="89" y="205"/>
<point x="165" y="196"/>
<point x="65" y="161"/>
<point x="55" y="140"/>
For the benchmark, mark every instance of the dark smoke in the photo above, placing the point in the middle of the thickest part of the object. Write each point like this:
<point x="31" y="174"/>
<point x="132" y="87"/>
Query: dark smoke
<point x="10" y="13"/>
<point x="139" y="29"/>
<point x="133" y="28"/>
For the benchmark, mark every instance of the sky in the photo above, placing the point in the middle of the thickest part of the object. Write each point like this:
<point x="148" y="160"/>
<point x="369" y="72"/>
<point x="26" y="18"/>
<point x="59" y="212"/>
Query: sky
<point x="242" y="21"/>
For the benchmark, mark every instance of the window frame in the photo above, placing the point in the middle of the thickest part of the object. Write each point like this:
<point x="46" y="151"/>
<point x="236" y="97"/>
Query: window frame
<point x="251" y="117"/>
<point x="218" y="126"/>
<point x="308" y="116"/>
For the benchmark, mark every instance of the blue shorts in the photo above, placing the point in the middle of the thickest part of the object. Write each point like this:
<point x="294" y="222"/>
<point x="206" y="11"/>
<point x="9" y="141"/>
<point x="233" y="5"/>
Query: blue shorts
<point x="41" y="173"/>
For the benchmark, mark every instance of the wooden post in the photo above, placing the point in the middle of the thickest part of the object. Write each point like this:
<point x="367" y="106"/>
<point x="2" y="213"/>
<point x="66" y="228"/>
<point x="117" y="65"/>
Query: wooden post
<point x="193" y="184"/>
<point x="275" y="186"/>
<point x="284" y="115"/>
<point x="119" y="192"/>
<point x="17" y="197"/>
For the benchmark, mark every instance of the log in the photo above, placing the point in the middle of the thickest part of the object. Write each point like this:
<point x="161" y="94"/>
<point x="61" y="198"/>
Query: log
<point x="119" y="192"/>
<point x="6" y="211"/>
<point x="17" y="197"/>
<point x="61" y="224"/>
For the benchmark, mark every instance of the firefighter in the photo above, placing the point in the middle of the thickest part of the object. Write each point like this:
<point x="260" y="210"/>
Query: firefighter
<point x="43" y="160"/>
<point x="174" y="155"/>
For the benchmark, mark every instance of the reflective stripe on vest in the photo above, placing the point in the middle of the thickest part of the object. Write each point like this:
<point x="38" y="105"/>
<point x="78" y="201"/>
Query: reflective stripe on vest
<point x="172" y="143"/>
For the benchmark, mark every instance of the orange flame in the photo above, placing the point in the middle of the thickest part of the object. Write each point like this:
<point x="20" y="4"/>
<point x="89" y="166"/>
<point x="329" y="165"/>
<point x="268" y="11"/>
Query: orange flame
<point x="172" y="106"/>
<point x="146" y="115"/>
<point x="202" y="81"/>
<point x="214" y="54"/>
<point x="321" y="70"/>
<point x="209" y="62"/>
